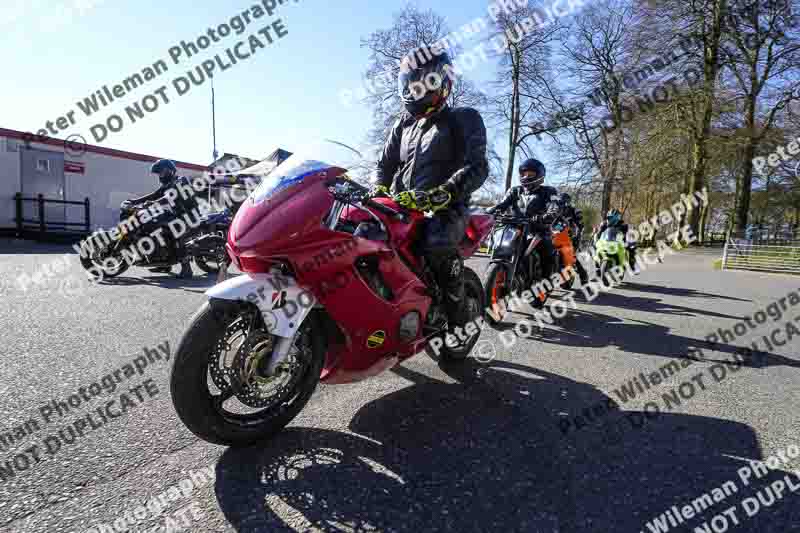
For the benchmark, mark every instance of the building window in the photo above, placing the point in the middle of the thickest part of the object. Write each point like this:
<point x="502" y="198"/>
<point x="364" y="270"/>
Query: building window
<point x="43" y="165"/>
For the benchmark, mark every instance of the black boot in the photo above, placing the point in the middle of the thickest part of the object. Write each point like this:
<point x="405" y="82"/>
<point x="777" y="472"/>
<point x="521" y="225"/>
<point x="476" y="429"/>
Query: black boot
<point x="632" y="261"/>
<point x="451" y="282"/>
<point x="186" y="269"/>
<point x="582" y="272"/>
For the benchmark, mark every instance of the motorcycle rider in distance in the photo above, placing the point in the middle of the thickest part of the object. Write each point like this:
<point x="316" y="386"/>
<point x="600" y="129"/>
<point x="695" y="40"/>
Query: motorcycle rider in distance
<point x="532" y="199"/>
<point x="614" y="219"/>
<point x="167" y="172"/>
<point x="433" y="160"/>
<point x="575" y="218"/>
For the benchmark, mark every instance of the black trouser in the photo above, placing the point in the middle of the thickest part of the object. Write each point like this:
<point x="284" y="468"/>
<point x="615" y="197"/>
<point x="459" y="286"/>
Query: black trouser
<point x="576" y="245"/>
<point x="439" y="242"/>
<point x="631" y="254"/>
<point x="546" y="248"/>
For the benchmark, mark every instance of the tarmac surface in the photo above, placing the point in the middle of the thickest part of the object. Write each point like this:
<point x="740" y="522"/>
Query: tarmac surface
<point x="525" y="442"/>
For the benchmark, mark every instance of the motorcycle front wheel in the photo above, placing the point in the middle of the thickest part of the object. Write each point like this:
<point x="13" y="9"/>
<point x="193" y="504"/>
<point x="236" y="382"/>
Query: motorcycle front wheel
<point x="219" y="386"/>
<point x="496" y="293"/>
<point x="101" y="258"/>
<point x="604" y="272"/>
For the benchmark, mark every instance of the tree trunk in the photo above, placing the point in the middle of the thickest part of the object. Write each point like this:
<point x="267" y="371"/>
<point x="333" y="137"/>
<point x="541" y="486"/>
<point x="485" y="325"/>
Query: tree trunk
<point x="704" y="221"/>
<point x="513" y="135"/>
<point x="710" y="71"/>
<point x="743" y="192"/>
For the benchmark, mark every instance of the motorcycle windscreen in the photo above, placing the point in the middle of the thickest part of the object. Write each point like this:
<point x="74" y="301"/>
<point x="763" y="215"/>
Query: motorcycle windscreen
<point x="612" y="235"/>
<point x="314" y="156"/>
<point x="505" y="240"/>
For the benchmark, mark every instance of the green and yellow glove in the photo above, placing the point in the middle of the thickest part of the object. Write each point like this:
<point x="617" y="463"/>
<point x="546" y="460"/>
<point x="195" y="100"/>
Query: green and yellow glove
<point x="414" y="200"/>
<point x="431" y="200"/>
<point x="379" y="190"/>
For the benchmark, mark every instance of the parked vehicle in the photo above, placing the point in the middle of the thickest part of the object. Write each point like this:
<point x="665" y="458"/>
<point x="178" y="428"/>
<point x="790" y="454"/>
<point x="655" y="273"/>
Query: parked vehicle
<point x="331" y="291"/>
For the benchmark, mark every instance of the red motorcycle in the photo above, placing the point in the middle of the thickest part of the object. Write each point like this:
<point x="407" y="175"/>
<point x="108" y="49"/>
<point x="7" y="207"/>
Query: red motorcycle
<point x="331" y="291"/>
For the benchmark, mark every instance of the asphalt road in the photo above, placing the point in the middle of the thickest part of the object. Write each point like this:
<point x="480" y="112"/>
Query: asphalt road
<point x="424" y="447"/>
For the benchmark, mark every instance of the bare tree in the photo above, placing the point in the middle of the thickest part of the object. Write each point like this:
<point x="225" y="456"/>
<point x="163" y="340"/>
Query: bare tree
<point x="598" y="52"/>
<point x="701" y="23"/>
<point x="412" y="29"/>
<point x="762" y="56"/>
<point x="525" y="86"/>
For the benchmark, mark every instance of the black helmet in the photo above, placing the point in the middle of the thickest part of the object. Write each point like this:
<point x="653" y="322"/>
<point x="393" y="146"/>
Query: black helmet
<point x="566" y="199"/>
<point x="166" y="170"/>
<point x="613" y="217"/>
<point x="424" y="87"/>
<point x="534" y="180"/>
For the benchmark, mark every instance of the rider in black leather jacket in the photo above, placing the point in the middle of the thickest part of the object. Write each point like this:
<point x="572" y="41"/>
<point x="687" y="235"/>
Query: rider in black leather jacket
<point x="433" y="160"/>
<point x="575" y="218"/>
<point x="532" y="199"/>
<point x="180" y="203"/>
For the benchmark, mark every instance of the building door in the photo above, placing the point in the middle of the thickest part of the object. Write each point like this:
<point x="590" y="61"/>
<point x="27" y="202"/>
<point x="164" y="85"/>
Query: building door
<point x="43" y="173"/>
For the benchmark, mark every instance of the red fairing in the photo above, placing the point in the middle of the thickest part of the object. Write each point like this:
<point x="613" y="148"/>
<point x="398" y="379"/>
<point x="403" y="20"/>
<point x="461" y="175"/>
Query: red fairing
<point x="289" y="226"/>
<point x="290" y="219"/>
<point x="479" y="226"/>
<point x="402" y="235"/>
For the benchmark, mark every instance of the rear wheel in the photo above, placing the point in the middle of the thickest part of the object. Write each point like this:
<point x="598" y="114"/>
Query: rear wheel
<point x="210" y="262"/>
<point x="475" y="303"/>
<point x="220" y="386"/>
<point x="209" y="265"/>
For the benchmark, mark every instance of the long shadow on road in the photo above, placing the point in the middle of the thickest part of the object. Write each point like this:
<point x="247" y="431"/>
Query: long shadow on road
<point x="597" y="330"/>
<point x="485" y="454"/>
<point x="677" y="291"/>
<point x="582" y="328"/>
<point x="650" y="305"/>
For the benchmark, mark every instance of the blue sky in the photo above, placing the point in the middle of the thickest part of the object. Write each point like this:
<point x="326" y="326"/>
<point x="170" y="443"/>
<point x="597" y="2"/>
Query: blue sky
<point x="290" y="91"/>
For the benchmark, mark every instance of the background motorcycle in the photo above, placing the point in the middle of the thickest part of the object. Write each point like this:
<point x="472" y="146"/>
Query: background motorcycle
<point x="566" y="258"/>
<point x="208" y="248"/>
<point x="104" y="251"/>
<point x="331" y="292"/>
<point x="610" y="251"/>
<point x="515" y="264"/>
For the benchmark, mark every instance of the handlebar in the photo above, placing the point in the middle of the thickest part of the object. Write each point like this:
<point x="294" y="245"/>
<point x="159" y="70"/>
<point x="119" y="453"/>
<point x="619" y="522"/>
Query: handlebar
<point x="359" y="193"/>
<point x="509" y="219"/>
<point x="385" y="209"/>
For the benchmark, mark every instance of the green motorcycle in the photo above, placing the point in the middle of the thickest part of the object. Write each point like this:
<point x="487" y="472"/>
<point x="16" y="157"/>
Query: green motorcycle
<point x="610" y="251"/>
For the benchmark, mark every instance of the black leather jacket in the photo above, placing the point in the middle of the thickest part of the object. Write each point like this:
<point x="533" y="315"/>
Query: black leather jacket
<point x="424" y="154"/>
<point x="183" y="205"/>
<point x="604" y="226"/>
<point x="528" y="205"/>
<point x="574" y="216"/>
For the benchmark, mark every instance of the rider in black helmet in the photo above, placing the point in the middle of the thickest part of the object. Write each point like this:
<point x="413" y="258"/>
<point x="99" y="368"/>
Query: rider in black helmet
<point x="167" y="172"/>
<point x="433" y="160"/>
<point x="532" y="199"/>
<point x="614" y="219"/>
<point x="575" y="219"/>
